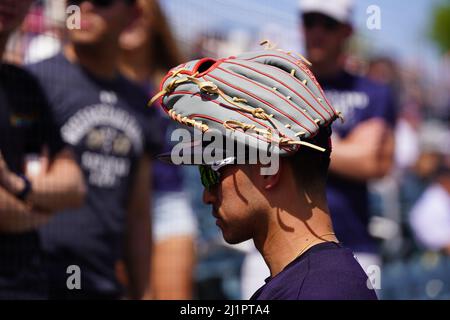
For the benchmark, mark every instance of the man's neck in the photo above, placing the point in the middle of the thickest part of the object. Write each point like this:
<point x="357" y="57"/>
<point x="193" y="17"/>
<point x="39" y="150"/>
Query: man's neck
<point x="326" y="70"/>
<point x="135" y="64"/>
<point x="289" y="236"/>
<point x="101" y="62"/>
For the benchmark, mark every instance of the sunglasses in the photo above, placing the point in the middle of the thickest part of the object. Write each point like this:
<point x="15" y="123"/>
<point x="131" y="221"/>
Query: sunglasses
<point x="312" y="20"/>
<point x="99" y="3"/>
<point x="210" y="178"/>
<point x="210" y="175"/>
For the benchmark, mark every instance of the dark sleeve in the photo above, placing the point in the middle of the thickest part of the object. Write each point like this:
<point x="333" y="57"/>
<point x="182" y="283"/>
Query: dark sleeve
<point x="46" y="129"/>
<point x="31" y="112"/>
<point x="385" y="105"/>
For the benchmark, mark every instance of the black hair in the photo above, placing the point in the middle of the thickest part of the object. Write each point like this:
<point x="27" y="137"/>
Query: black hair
<point x="310" y="166"/>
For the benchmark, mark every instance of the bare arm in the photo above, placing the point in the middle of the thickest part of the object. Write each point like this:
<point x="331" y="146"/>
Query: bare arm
<point x="16" y="216"/>
<point x="366" y="153"/>
<point x="138" y="239"/>
<point x="58" y="187"/>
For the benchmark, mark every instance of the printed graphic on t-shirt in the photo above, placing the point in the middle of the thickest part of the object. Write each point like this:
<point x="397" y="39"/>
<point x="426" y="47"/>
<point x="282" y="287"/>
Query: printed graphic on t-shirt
<point x="347" y="102"/>
<point x="107" y="137"/>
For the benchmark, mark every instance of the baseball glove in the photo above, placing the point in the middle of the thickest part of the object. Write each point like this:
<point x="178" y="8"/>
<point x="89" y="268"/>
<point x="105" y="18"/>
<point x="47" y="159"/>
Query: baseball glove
<point x="269" y="95"/>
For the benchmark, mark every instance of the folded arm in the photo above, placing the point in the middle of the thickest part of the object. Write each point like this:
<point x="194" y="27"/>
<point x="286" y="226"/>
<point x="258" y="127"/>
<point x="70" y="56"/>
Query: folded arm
<point x="366" y="153"/>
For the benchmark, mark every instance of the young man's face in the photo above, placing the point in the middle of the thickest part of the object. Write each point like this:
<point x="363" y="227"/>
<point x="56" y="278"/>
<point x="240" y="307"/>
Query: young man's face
<point x="234" y="204"/>
<point x="12" y="12"/>
<point x="101" y="20"/>
<point x="324" y="37"/>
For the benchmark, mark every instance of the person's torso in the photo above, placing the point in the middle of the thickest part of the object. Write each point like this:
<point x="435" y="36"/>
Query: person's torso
<point x="102" y="123"/>
<point x="359" y="99"/>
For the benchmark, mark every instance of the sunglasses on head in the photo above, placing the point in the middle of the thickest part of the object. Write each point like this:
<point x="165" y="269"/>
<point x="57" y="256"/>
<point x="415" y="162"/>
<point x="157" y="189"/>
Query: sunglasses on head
<point x="99" y="3"/>
<point x="312" y="20"/>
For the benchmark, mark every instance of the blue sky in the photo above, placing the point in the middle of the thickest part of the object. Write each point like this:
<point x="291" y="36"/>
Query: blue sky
<point x="403" y="23"/>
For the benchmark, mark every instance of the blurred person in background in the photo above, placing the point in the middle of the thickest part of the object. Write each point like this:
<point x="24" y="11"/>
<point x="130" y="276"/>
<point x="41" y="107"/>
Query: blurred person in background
<point x="38" y="174"/>
<point x="44" y="30"/>
<point x="102" y="116"/>
<point x="430" y="215"/>
<point x="363" y="145"/>
<point x="148" y="52"/>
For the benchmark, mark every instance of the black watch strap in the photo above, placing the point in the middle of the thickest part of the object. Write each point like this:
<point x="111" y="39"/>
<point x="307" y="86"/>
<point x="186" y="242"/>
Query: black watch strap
<point x="26" y="189"/>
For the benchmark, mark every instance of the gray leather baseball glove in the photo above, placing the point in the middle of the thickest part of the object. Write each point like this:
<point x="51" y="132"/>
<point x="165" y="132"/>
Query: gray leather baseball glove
<point x="269" y="95"/>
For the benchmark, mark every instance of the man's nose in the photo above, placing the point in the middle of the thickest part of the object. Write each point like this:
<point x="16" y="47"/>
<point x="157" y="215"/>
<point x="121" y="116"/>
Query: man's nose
<point x="208" y="196"/>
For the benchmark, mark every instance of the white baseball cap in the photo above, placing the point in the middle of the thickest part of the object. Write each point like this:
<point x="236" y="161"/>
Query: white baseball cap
<point x="340" y="10"/>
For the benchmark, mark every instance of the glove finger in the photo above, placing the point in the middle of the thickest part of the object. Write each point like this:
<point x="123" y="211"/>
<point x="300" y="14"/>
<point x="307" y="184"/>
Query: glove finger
<point x="261" y="96"/>
<point x="287" y="62"/>
<point x="273" y="77"/>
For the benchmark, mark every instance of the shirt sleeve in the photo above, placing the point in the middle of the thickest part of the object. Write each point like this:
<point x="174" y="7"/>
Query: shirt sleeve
<point x="384" y="105"/>
<point x="46" y="128"/>
<point x="35" y="114"/>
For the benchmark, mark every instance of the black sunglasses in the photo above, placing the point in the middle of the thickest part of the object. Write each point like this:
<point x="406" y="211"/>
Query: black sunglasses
<point x="312" y="20"/>
<point x="100" y="3"/>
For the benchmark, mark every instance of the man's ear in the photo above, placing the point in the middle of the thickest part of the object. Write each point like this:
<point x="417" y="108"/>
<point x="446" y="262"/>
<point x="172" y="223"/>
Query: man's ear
<point x="268" y="182"/>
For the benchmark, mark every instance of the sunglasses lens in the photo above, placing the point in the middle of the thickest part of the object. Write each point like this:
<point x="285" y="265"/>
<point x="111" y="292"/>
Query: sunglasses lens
<point x="209" y="177"/>
<point x="330" y="24"/>
<point x="310" y="21"/>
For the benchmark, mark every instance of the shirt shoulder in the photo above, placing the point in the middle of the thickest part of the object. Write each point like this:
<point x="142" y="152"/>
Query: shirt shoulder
<point x="330" y="273"/>
<point x="24" y="92"/>
<point x="29" y="107"/>
<point x="335" y="274"/>
<point x="49" y="68"/>
<point x="381" y="97"/>
<point x="148" y="117"/>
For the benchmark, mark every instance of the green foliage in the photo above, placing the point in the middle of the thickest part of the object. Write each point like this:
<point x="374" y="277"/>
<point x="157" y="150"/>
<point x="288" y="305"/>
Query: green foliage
<point x="440" y="28"/>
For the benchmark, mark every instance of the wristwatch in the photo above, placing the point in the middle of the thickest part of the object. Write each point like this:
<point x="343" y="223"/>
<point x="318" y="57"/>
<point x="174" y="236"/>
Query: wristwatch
<point x="22" y="195"/>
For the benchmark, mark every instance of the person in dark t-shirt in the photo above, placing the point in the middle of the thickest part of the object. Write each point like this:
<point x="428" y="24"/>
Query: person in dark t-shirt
<point x="326" y="271"/>
<point x="104" y="118"/>
<point x="278" y="202"/>
<point x="363" y="144"/>
<point x="38" y="175"/>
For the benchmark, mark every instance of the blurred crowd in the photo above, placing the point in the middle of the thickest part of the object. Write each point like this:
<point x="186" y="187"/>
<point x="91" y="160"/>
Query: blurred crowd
<point x="406" y="228"/>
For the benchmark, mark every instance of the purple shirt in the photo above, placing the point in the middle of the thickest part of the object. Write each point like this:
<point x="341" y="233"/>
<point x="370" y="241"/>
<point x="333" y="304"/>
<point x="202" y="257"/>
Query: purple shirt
<point x="359" y="99"/>
<point x="327" y="271"/>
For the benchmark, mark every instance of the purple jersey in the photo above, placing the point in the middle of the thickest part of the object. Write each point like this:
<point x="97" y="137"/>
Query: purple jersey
<point x="359" y="99"/>
<point x="327" y="271"/>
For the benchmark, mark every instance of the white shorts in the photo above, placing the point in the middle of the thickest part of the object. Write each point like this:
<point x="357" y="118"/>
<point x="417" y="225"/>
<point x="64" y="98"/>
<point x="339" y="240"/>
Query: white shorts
<point x="172" y="215"/>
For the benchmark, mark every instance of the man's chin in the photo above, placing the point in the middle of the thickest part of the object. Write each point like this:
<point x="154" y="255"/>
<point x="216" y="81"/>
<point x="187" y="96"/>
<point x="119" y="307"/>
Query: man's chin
<point x="316" y="55"/>
<point x="84" y="38"/>
<point x="233" y="239"/>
